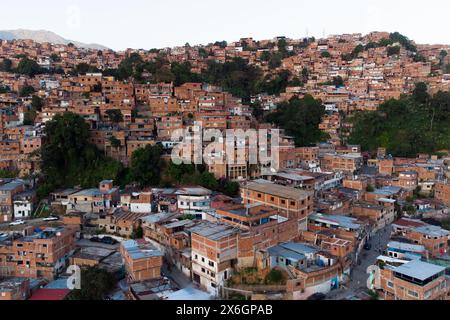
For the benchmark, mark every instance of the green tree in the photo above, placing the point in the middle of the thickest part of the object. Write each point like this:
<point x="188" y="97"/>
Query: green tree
<point x="6" y="65"/>
<point x="229" y="188"/>
<point x="96" y="283"/>
<point x="208" y="181"/>
<point x="115" y="143"/>
<point x="338" y="81"/>
<point x="305" y="74"/>
<point x="403" y="40"/>
<point x="138" y="233"/>
<point x="68" y="159"/>
<point x="203" y="53"/>
<point x="37" y="103"/>
<point x="277" y="84"/>
<point x="115" y="115"/>
<point x="275" y="61"/>
<point x="146" y="165"/>
<point x="8" y="174"/>
<point x="179" y="172"/>
<point x="221" y="44"/>
<point x="394" y="50"/>
<point x="26" y="91"/>
<point x="4" y="89"/>
<point x="300" y="118"/>
<point x="235" y="76"/>
<point x="84" y="68"/>
<point x="55" y="58"/>
<point x="275" y="277"/>
<point x="28" y="67"/>
<point x="183" y="74"/>
<point x="265" y="56"/>
<point x="29" y="117"/>
<point x="420" y="93"/>
<point x="325" y="54"/>
<point x="164" y="74"/>
<point x="257" y="110"/>
<point x="406" y="126"/>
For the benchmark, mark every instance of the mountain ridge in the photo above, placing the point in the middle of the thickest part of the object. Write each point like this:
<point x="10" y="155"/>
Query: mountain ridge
<point x="42" y="36"/>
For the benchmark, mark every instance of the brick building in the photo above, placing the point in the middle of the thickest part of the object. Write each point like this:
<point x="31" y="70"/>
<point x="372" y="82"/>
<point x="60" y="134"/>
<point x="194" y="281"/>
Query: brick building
<point x="142" y="260"/>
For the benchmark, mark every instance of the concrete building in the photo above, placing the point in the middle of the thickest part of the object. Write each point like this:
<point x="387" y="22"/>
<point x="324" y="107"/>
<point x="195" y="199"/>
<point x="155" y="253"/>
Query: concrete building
<point x="42" y="254"/>
<point x="415" y="280"/>
<point x="291" y="203"/>
<point x="214" y="254"/>
<point x="142" y="260"/>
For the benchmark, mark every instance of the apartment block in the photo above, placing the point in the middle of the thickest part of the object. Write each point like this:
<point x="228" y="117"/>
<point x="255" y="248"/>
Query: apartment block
<point x="214" y="253"/>
<point x="42" y="254"/>
<point x="291" y="203"/>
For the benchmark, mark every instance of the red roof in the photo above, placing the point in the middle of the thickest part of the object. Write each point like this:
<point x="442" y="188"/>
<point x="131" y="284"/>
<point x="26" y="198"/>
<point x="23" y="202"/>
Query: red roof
<point x="50" y="294"/>
<point x="410" y="223"/>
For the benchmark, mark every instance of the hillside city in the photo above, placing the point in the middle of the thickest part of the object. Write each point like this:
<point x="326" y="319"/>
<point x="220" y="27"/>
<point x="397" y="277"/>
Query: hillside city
<point x="358" y="208"/>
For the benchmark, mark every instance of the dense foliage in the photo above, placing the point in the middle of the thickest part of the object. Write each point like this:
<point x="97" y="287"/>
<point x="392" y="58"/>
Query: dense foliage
<point x="68" y="159"/>
<point x="146" y="166"/>
<point x="300" y="118"/>
<point x="407" y="126"/>
<point x="96" y="283"/>
<point x="191" y="175"/>
<point x="236" y="76"/>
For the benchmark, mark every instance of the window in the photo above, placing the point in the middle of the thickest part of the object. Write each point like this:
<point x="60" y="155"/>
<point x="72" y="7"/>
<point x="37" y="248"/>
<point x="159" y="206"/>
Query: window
<point x="390" y="284"/>
<point x="203" y="259"/>
<point x="211" y="264"/>
<point x="412" y="293"/>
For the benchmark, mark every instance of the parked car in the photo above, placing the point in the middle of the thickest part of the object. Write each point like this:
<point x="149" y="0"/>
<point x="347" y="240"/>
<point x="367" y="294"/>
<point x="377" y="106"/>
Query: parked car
<point x="52" y="218"/>
<point x="109" y="240"/>
<point x="367" y="246"/>
<point x="95" y="239"/>
<point x="17" y="223"/>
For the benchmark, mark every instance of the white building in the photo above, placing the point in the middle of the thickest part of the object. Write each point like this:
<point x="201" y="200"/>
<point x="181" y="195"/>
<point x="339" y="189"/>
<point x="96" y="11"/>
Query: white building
<point x="24" y="205"/>
<point x="194" y="200"/>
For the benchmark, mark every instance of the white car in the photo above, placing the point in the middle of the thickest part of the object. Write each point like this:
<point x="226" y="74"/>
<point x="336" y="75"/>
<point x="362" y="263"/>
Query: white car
<point x="51" y="218"/>
<point x="17" y="223"/>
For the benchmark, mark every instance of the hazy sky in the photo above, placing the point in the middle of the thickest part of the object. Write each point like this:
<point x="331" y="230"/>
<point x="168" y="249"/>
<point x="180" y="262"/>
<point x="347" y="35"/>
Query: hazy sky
<point x="159" y="23"/>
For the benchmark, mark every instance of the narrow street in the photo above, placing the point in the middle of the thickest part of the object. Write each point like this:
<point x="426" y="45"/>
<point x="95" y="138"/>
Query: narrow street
<point x="359" y="276"/>
<point x="179" y="278"/>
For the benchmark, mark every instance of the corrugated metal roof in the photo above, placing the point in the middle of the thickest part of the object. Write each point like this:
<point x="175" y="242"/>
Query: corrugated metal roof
<point x="419" y="270"/>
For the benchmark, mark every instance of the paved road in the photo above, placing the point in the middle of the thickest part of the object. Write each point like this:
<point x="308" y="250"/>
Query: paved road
<point x="33" y="222"/>
<point x="178" y="277"/>
<point x="359" y="276"/>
